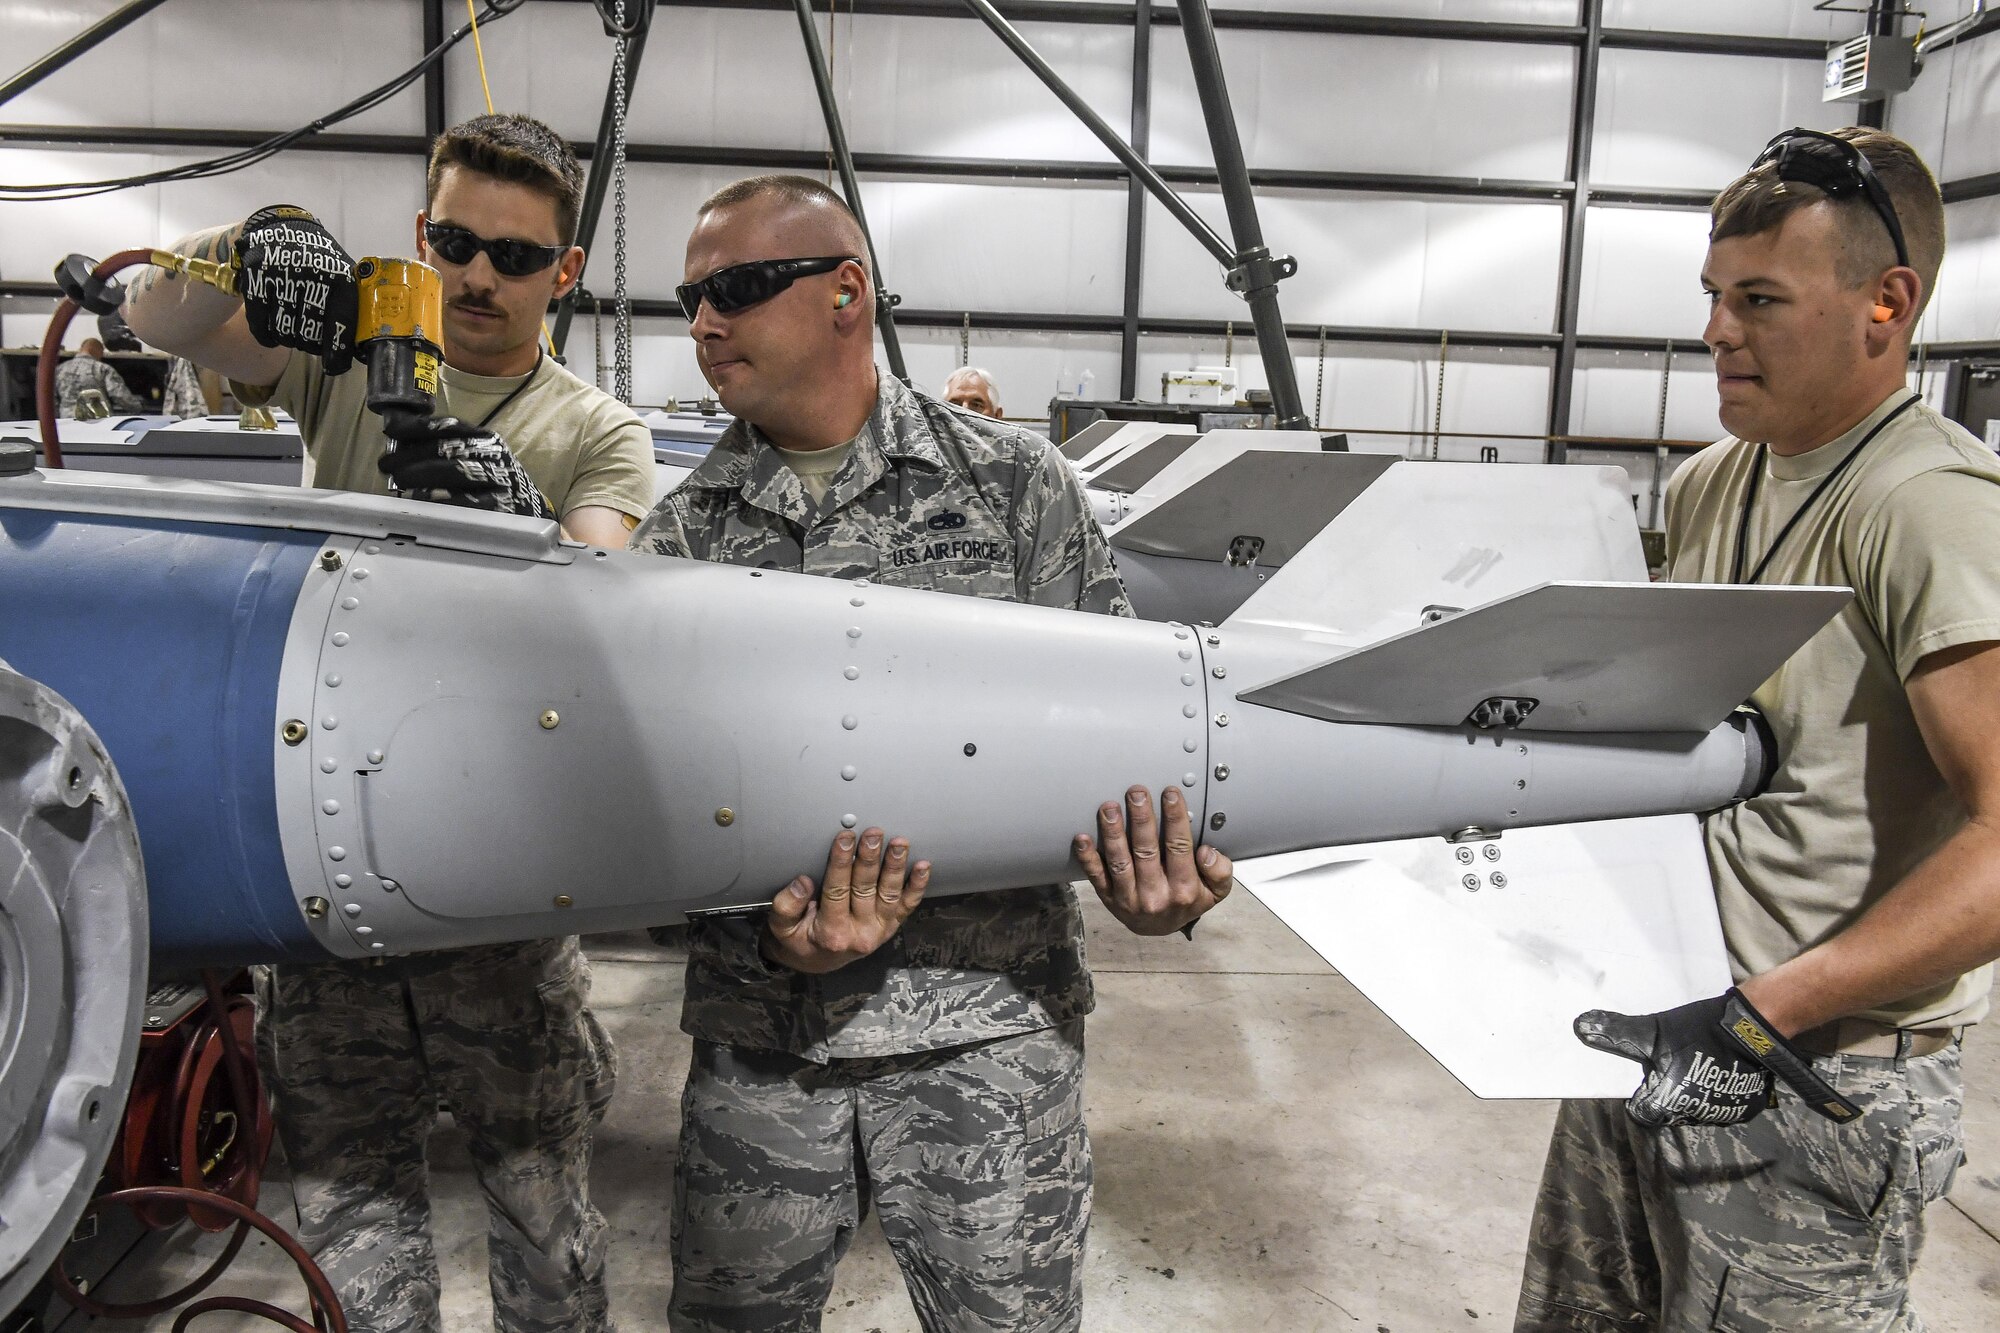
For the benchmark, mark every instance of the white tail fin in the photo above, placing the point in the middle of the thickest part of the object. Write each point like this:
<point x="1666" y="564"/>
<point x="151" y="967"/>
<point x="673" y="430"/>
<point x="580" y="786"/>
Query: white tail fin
<point x="1089" y="449"/>
<point x="1659" y="657"/>
<point x="1453" y="535"/>
<point x="1616" y="915"/>
<point x="1079" y="446"/>
<point x="1274" y="502"/>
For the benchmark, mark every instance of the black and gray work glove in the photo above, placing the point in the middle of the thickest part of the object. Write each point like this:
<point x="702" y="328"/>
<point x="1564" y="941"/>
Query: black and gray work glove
<point x="1708" y="1063"/>
<point x="447" y="460"/>
<point x="297" y="285"/>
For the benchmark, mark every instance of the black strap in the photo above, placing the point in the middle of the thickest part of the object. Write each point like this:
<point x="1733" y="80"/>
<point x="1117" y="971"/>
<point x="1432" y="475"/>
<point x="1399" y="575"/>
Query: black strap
<point x="513" y="393"/>
<point x="1757" y="477"/>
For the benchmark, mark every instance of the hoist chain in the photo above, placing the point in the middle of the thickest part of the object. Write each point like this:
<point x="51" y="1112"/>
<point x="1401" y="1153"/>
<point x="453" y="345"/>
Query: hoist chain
<point x="621" y="293"/>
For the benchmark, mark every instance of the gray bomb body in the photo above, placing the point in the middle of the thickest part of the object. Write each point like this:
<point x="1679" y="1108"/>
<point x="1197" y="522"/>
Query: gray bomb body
<point x="643" y="737"/>
<point x="478" y="732"/>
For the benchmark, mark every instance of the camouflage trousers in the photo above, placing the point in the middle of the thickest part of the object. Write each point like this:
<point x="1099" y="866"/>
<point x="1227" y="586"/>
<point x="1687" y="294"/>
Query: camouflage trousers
<point x="1787" y="1224"/>
<point x="361" y="1056"/>
<point x="976" y="1157"/>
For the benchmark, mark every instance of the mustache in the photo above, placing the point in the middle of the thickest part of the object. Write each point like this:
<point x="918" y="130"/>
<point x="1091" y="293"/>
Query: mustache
<point x="473" y="303"/>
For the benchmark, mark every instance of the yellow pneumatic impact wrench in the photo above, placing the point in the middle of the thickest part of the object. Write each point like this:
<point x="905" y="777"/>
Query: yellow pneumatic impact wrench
<point x="397" y="332"/>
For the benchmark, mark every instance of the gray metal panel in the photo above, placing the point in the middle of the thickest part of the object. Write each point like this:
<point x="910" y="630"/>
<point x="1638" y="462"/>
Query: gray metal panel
<point x="1140" y="466"/>
<point x="251" y="505"/>
<point x="1194" y="592"/>
<point x="1451" y="534"/>
<point x="675" y="689"/>
<point x="218" y="437"/>
<point x="1603" y="657"/>
<point x="1096" y="433"/>
<point x="1287" y="499"/>
<point x="257" y="471"/>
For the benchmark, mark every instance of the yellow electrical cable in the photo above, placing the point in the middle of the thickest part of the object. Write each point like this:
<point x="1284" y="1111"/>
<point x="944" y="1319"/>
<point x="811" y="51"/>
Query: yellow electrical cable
<point x="479" y="51"/>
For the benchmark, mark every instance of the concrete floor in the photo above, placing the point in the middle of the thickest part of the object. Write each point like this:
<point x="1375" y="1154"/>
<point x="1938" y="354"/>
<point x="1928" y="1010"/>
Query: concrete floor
<point x="1271" y="1154"/>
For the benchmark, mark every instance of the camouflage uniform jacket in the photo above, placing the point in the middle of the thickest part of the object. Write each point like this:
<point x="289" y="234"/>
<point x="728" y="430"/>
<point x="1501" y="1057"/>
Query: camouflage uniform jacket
<point x="83" y="372"/>
<point x="936" y="498"/>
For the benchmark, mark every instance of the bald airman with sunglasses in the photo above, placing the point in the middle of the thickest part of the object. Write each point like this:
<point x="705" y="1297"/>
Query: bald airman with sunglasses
<point x="858" y="1044"/>
<point x="1771" y="1173"/>
<point x="360" y="1056"/>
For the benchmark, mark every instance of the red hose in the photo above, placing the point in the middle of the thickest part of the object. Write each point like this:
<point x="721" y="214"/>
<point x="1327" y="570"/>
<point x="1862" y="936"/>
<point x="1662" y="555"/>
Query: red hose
<point x="45" y="381"/>
<point x="325" y="1305"/>
<point x="222" y="1208"/>
<point x="45" y="365"/>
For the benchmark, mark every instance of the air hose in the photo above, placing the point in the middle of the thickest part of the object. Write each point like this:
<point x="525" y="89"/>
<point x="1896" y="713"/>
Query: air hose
<point x="85" y="286"/>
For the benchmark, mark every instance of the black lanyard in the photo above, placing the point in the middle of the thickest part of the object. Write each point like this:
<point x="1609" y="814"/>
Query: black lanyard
<point x="1757" y="477"/>
<point x="513" y="393"/>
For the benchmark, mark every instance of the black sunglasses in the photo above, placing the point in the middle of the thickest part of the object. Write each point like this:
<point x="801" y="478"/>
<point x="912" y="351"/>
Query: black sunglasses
<point x="741" y="285"/>
<point x="511" y="259"/>
<point x="1836" y="167"/>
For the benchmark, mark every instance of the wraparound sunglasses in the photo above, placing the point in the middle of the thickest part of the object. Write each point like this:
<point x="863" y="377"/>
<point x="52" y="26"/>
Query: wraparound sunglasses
<point x="511" y="259"/>
<point x="743" y="285"/>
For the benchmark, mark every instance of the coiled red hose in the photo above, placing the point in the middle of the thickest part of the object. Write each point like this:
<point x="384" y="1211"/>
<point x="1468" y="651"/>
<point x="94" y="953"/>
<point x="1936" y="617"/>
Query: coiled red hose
<point x="327" y="1316"/>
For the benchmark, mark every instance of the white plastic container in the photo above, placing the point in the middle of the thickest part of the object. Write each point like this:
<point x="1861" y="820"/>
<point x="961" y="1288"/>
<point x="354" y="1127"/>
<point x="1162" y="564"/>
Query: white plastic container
<point x="1208" y="386"/>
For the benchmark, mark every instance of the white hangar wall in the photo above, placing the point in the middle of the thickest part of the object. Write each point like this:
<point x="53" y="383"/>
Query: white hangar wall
<point x="960" y="236"/>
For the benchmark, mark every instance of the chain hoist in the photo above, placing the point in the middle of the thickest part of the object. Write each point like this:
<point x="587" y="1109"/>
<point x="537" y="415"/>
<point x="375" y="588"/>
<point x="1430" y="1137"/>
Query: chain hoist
<point x="1319" y="387"/>
<point x="621" y="293"/>
<point x="1437" y="404"/>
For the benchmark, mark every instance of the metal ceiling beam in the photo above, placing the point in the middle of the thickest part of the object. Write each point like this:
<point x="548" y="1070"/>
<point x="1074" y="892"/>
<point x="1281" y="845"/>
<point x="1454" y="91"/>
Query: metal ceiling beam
<point x="1113" y="325"/>
<point x="1569" y="281"/>
<point x="916" y="164"/>
<point x="148" y="136"/>
<point x="850" y="187"/>
<point x="1972" y="187"/>
<point x="1255" y="272"/>
<point x="1135" y="200"/>
<point x="1334" y="25"/>
<point x="1712" y="44"/>
<point x="1012" y="39"/>
<point x="1648" y="197"/>
<point x="111" y="24"/>
<point x="434" y="99"/>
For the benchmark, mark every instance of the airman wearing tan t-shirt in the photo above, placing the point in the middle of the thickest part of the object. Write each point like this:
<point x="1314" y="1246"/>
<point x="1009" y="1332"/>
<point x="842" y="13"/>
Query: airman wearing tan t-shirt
<point x="1770" y="1174"/>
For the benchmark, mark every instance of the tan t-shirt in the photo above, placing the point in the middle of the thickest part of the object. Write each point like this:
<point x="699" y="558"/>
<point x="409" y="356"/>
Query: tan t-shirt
<point x="1913" y="526"/>
<point x="581" y="445"/>
<point x="815" y="467"/>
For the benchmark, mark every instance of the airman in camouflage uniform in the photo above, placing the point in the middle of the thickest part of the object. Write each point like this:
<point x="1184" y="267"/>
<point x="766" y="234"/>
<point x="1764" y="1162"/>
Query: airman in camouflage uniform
<point x="502" y="1038"/>
<point x="87" y="371"/>
<point x="1787" y="1224"/>
<point x="938" y="1077"/>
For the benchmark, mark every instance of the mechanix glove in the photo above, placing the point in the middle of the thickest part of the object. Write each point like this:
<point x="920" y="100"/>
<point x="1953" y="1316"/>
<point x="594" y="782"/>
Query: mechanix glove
<point x="297" y="285"/>
<point x="1708" y="1063"/>
<point x="447" y="460"/>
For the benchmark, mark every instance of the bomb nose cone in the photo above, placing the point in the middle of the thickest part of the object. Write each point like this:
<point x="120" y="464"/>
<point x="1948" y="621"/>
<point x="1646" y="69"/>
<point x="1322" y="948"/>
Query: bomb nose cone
<point x="72" y="972"/>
